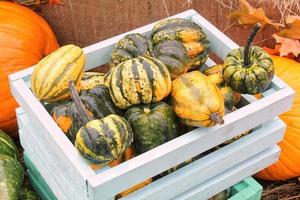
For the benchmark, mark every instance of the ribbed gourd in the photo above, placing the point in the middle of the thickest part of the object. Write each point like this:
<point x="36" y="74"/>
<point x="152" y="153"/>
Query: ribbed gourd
<point x="130" y="46"/>
<point x="91" y="79"/>
<point x="196" y="100"/>
<point x="152" y="125"/>
<point x="180" y="44"/>
<point x="248" y="70"/>
<point x="97" y="103"/>
<point x="139" y="80"/>
<point x="104" y="140"/>
<point x="50" y="77"/>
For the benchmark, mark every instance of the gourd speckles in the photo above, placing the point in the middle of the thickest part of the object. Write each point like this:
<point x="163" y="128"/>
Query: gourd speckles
<point x="180" y="44"/>
<point x="139" y="80"/>
<point x="49" y="81"/>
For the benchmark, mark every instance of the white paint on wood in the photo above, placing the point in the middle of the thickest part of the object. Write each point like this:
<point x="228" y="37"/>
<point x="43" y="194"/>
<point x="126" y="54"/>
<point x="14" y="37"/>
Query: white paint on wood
<point x="213" y="164"/>
<point x="232" y="176"/>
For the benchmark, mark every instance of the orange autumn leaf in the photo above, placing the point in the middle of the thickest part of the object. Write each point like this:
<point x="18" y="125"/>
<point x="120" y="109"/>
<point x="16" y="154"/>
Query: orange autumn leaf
<point x="294" y="31"/>
<point x="248" y="15"/>
<point x="287" y="45"/>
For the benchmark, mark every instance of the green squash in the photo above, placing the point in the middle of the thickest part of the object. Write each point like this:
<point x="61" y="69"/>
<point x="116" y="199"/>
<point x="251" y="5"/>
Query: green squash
<point x="139" y="80"/>
<point x="180" y="44"/>
<point x="248" y="70"/>
<point x="152" y="125"/>
<point x="102" y="141"/>
<point x="7" y="146"/>
<point x="11" y="177"/>
<point x="130" y="46"/>
<point x="96" y="101"/>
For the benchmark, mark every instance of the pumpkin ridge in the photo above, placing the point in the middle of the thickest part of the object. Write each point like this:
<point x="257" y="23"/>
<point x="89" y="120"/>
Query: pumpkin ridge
<point x="111" y="139"/>
<point x="118" y="83"/>
<point x="286" y="167"/>
<point x="150" y="74"/>
<point x="135" y="73"/>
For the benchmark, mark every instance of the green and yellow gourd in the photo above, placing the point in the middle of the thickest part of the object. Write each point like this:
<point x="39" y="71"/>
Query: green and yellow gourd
<point x="196" y="100"/>
<point x="97" y="103"/>
<point x="91" y="79"/>
<point x="139" y="80"/>
<point x="152" y="125"/>
<point x="49" y="81"/>
<point x="248" y="70"/>
<point x="100" y="141"/>
<point x="180" y="44"/>
<point x="215" y="75"/>
<point x="7" y="146"/>
<point x="130" y="46"/>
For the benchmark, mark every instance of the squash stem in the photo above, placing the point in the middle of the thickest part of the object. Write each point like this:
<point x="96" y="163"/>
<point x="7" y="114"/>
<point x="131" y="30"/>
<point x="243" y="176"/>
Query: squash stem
<point x="215" y="117"/>
<point x="248" y="46"/>
<point x="84" y="116"/>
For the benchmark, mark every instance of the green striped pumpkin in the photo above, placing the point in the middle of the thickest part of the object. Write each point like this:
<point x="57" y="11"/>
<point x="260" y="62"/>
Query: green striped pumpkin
<point x="49" y="81"/>
<point x="102" y="141"/>
<point x="7" y="146"/>
<point x="152" y="125"/>
<point x="130" y="46"/>
<point x="139" y="80"/>
<point x="180" y="44"/>
<point x="91" y="79"/>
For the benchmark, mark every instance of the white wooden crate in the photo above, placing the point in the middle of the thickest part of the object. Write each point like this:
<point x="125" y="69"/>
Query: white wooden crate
<point x="79" y="181"/>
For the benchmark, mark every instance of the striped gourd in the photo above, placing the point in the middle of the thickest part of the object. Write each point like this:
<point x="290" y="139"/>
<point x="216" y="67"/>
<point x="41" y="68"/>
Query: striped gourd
<point x="7" y="146"/>
<point x="130" y="46"/>
<point x="91" y="79"/>
<point x="104" y="140"/>
<point x="139" y="80"/>
<point x="49" y="81"/>
<point x="196" y="100"/>
<point x="180" y="44"/>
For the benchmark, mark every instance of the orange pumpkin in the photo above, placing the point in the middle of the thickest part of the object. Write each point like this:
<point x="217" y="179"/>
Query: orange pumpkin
<point x="25" y="38"/>
<point x="288" y="165"/>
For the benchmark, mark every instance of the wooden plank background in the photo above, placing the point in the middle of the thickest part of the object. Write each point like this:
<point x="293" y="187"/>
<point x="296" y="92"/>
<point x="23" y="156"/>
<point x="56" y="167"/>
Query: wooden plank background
<point x="84" y="22"/>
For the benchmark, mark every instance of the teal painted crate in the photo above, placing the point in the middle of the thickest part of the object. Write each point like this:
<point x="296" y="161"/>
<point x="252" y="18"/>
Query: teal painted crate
<point x="248" y="189"/>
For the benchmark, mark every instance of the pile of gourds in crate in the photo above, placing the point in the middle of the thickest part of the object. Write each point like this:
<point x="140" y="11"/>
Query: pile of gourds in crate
<point x="153" y="91"/>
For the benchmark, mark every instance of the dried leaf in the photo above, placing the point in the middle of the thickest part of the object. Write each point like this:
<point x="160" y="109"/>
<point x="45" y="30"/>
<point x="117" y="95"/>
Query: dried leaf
<point x="287" y="45"/>
<point x="248" y="15"/>
<point x="294" y="31"/>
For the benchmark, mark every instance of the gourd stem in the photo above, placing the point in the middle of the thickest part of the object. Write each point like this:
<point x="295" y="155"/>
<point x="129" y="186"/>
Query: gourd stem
<point x="84" y="116"/>
<point x="215" y="117"/>
<point x="248" y="46"/>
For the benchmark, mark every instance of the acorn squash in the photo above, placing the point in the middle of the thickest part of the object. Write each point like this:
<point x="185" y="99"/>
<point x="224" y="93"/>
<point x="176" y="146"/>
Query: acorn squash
<point x="180" y="44"/>
<point x="7" y="146"/>
<point x="130" y="46"/>
<point x="248" y="70"/>
<point x="50" y="77"/>
<point x="152" y="125"/>
<point x="196" y="100"/>
<point x="91" y="79"/>
<point x="139" y="80"/>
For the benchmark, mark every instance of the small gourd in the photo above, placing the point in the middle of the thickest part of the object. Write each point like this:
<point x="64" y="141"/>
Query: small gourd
<point x="248" y="70"/>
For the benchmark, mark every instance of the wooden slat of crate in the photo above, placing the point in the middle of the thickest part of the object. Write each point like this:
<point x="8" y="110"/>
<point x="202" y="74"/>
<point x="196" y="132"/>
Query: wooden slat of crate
<point x="232" y="176"/>
<point x="206" y="167"/>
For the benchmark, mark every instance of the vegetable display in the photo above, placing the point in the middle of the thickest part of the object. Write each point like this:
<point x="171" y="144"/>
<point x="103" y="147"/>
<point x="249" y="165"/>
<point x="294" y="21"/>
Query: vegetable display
<point x="131" y="46"/>
<point x="139" y="80"/>
<point x="23" y="43"/>
<point x="180" y="44"/>
<point x="248" y="70"/>
<point x="196" y="100"/>
<point x="152" y="125"/>
<point x="49" y="81"/>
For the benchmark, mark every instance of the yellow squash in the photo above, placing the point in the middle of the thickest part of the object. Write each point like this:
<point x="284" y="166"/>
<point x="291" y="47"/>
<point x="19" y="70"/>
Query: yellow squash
<point x="50" y="77"/>
<point x="196" y="100"/>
